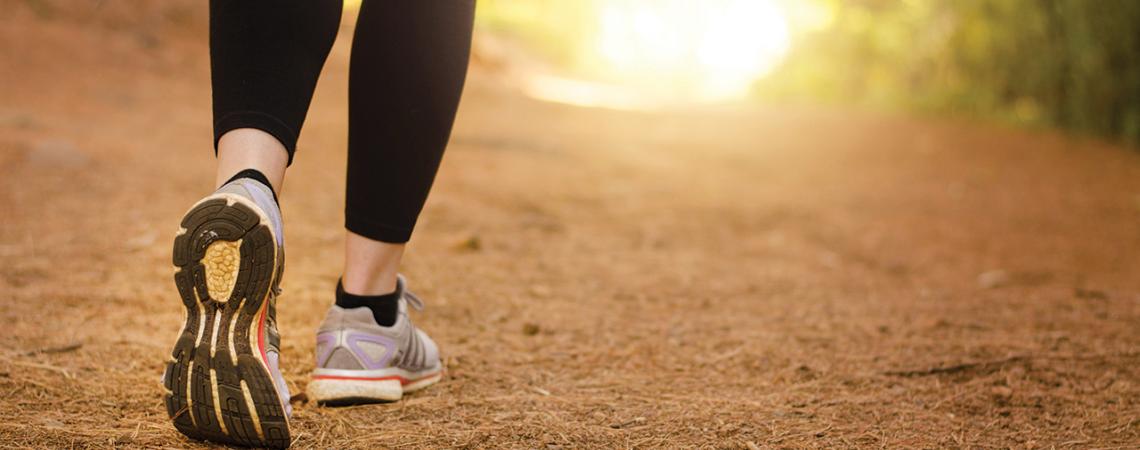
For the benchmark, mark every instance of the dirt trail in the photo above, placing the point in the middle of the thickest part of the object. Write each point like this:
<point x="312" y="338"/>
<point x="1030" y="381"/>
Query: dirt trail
<point x="734" y="277"/>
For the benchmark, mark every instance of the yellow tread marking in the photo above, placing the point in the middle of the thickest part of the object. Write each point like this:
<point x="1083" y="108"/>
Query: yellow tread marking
<point x="214" y="340"/>
<point x="230" y="339"/>
<point x="201" y="324"/>
<point x="252" y="411"/>
<point x="222" y="261"/>
<point x="217" y="401"/>
<point x="189" y="393"/>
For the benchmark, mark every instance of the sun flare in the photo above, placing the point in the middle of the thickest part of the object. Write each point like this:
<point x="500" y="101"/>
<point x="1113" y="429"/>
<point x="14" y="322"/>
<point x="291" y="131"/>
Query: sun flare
<point x="708" y="50"/>
<point x="644" y="53"/>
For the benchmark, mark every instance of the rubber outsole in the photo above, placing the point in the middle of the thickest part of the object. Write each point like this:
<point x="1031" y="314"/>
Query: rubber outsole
<point x="347" y="391"/>
<point x="219" y="385"/>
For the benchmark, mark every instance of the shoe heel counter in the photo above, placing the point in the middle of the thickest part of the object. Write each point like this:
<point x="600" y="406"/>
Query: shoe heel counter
<point x="343" y="359"/>
<point x="332" y="353"/>
<point x="326" y="343"/>
<point x="262" y="197"/>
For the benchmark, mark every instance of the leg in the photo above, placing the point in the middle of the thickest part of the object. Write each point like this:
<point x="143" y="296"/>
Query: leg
<point x="409" y="61"/>
<point x="370" y="266"/>
<point x="251" y="148"/>
<point x="223" y="382"/>
<point x="265" y="57"/>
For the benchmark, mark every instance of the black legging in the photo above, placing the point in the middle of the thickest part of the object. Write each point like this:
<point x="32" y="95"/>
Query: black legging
<point x="409" y="61"/>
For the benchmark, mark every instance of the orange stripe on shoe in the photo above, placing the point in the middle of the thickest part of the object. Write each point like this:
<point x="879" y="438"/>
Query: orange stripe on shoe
<point x="261" y="331"/>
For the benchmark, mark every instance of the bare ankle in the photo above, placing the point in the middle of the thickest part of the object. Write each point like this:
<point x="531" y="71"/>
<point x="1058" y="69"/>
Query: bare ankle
<point x="370" y="266"/>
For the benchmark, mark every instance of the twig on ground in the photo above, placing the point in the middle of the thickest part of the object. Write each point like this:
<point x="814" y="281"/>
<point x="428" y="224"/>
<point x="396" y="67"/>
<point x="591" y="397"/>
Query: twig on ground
<point x="540" y="391"/>
<point x="61" y="349"/>
<point x="67" y="374"/>
<point x="999" y="362"/>
<point x="954" y="368"/>
<point x="628" y="423"/>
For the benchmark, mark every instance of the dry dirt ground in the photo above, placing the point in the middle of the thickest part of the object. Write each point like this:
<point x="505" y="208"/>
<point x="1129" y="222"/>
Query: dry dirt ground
<point x="731" y="278"/>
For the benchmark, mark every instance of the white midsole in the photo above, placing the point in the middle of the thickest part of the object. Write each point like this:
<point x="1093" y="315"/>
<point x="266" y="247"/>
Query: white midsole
<point x="360" y="386"/>
<point x="377" y="373"/>
<point x="326" y="390"/>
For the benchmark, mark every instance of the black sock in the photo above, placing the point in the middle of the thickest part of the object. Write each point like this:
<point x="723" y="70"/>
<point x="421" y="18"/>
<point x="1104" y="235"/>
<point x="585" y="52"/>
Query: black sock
<point x="384" y="307"/>
<point x="257" y="176"/>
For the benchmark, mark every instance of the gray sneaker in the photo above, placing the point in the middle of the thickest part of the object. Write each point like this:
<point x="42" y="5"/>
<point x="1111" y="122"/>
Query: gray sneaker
<point x="222" y="381"/>
<point x="359" y="361"/>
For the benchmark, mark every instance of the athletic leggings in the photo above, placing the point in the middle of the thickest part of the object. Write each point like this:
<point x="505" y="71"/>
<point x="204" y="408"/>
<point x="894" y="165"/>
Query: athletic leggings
<point x="408" y="64"/>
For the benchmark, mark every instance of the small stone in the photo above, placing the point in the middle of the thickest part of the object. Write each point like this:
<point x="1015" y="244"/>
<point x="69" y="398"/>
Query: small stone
<point x="57" y="154"/>
<point x="993" y="279"/>
<point x="53" y="423"/>
<point x="471" y="244"/>
<point x="530" y="329"/>
<point x="1001" y="392"/>
<point x="540" y="291"/>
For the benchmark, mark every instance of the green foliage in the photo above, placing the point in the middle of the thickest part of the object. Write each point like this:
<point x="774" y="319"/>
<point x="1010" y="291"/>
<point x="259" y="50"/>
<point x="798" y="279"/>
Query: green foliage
<point x="548" y="27"/>
<point x="1067" y="63"/>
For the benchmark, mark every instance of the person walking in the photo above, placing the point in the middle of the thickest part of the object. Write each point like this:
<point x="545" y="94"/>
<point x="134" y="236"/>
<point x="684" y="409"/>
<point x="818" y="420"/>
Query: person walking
<point x="407" y="69"/>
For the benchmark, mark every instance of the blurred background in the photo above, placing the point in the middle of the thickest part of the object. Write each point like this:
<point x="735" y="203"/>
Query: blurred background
<point x="659" y="223"/>
<point x="1069" y="64"/>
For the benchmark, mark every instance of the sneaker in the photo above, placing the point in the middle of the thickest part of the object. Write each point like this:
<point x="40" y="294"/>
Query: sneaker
<point x="222" y="382"/>
<point x="359" y="361"/>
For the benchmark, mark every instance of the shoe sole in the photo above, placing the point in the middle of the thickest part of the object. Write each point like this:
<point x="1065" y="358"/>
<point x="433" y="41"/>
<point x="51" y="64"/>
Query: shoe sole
<point x="342" y="390"/>
<point x="218" y="382"/>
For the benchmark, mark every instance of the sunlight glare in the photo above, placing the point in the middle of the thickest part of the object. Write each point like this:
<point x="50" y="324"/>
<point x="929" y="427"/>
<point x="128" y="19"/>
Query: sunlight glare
<point x="710" y="50"/>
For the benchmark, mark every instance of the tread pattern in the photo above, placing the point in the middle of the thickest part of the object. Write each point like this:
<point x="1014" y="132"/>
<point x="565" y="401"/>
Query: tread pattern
<point x="215" y="374"/>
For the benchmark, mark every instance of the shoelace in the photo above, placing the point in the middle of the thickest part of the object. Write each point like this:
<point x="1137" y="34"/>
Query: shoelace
<point x="414" y="300"/>
<point x="402" y="283"/>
